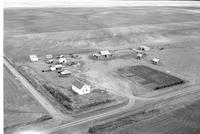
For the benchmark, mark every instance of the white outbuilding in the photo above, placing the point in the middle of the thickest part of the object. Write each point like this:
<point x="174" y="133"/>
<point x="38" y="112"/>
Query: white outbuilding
<point x="80" y="87"/>
<point x="62" y="60"/>
<point x="64" y="73"/>
<point x="52" y="68"/>
<point x="139" y="55"/>
<point x="56" y="67"/>
<point x="105" y="54"/>
<point x="49" y="56"/>
<point x="33" y="58"/>
<point x="144" y="48"/>
<point x="155" y="61"/>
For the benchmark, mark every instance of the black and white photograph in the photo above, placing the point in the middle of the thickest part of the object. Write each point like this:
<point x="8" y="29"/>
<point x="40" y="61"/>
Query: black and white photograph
<point x="100" y="67"/>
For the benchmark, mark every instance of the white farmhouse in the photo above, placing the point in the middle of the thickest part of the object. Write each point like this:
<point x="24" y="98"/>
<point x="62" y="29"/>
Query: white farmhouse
<point x="33" y="58"/>
<point x="80" y="88"/>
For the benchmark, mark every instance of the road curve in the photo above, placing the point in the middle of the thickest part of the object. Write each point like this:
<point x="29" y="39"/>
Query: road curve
<point x="45" y="103"/>
<point x="182" y="92"/>
<point x="56" y="114"/>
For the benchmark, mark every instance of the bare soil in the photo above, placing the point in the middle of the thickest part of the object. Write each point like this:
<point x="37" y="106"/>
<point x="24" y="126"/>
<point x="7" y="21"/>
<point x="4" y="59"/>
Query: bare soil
<point x="58" y="89"/>
<point x="148" y="77"/>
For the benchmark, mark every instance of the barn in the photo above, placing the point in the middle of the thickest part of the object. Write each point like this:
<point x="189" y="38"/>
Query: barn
<point x="102" y="55"/>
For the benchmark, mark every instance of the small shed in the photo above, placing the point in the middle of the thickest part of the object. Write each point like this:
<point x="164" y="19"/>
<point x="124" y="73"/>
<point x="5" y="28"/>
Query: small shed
<point x="64" y="73"/>
<point x="144" y="48"/>
<point x="52" y="68"/>
<point x="49" y="56"/>
<point x="139" y="56"/>
<point x="59" y="56"/>
<point x="62" y="60"/>
<point x="80" y="88"/>
<point x="50" y="61"/>
<point x="155" y="61"/>
<point x="33" y="58"/>
<point x="106" y="54"/>
<point x="59" y="66"/>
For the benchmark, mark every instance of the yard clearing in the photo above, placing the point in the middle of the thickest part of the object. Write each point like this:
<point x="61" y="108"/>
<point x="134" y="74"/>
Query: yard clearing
<point x="59" y="91"/>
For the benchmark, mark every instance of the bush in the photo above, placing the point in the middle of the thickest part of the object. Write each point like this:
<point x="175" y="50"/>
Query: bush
<point x="96" y="103"/>
<point x="60" y="97"/>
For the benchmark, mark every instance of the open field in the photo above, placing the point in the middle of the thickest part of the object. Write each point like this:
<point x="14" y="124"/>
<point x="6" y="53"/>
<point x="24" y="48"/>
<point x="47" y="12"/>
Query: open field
<point x="182" y="121"/>
<point x="86" y="29"/>
<point x="19" y="106"/>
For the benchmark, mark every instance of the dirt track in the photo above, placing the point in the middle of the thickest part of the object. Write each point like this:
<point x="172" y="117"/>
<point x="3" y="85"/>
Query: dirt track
<point x="52" y="111"/>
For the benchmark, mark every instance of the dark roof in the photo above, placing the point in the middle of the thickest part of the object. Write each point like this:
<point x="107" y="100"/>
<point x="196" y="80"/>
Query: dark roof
<point x="78" y="84"/>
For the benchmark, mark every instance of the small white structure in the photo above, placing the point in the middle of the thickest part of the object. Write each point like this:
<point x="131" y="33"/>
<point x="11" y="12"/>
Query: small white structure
<point x="139" y="56"/>
<point x="102" y="54"/>
<point x="33" y="58"/>
<point x="52" y="68"/>
<point x="49" y="56"/>
<point x="58" y="66"/>
<point x="80" y="88"/>
<point x="49" y="61"/>
<point x="144" y="48"/>
<point x="64" y="73"/>
<point x="137" y="51"/>
<point x="60" y="56"/>
<point x="62" y="60"/>
<point x="155" y="61"/>
<point x="105" y="52"/>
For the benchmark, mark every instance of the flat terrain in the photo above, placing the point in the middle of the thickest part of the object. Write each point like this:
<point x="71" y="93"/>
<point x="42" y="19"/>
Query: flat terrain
<point x="19" y="106"/>
<point x="82" y="29"/>
<point x="185" y="120"/>
<point x="173" y="34"/>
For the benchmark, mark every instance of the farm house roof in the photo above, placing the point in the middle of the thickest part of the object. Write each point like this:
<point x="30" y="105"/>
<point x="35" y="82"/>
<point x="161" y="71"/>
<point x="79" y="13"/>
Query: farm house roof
<point x="66" y="72"/>
<point x="106" y="52"/>
<point x="78" y="84"/>
<point x="155" y="59"/>
<point x="33" y="56"/>
<point x="49" y="56"/>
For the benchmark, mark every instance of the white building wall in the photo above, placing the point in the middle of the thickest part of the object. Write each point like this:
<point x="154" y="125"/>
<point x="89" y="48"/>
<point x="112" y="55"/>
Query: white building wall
<point x="84" y="90"/>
